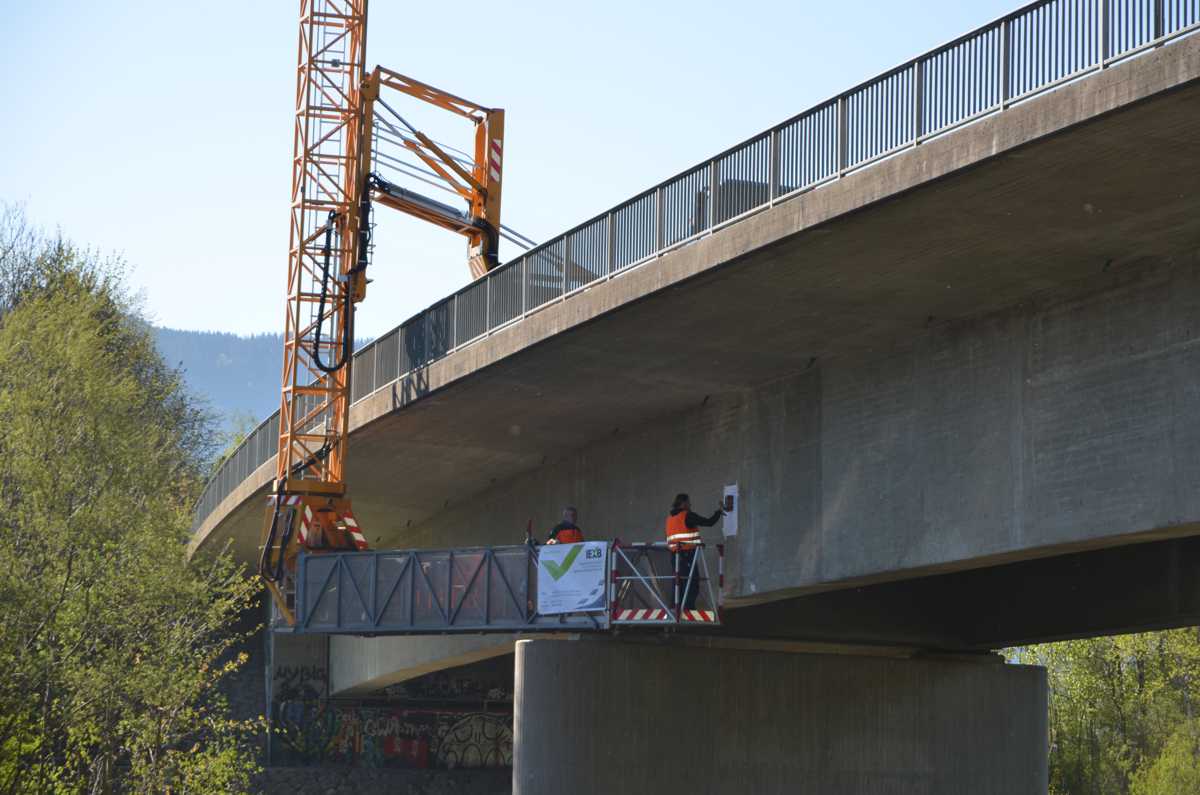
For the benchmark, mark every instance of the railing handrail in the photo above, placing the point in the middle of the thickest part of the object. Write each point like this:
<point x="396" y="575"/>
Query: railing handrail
<point x="990" y="78"/>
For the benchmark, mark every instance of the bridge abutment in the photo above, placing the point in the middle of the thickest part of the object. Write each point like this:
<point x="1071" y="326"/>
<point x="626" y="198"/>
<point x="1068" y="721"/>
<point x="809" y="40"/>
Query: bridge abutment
<point x="597" y="717"/>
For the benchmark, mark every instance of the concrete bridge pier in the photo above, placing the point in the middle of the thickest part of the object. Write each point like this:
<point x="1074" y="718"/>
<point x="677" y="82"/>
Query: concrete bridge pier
<point x="601" y="717"/>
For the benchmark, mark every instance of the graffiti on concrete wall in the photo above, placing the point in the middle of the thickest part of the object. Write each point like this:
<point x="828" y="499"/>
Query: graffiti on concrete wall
<point x="460" y="718"/>
<point x="320" y="732"/>
<point x="478" y="740"/>
<point x="300" y="667"/>
<point x="449" y="687"/>
<point x="299" y="682"/>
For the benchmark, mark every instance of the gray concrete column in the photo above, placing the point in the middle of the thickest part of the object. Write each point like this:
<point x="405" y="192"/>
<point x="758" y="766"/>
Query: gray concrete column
<point x="606" y="717"/>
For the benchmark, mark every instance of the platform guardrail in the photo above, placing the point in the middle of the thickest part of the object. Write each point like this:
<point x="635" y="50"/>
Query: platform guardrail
<point x="495" y="589"/>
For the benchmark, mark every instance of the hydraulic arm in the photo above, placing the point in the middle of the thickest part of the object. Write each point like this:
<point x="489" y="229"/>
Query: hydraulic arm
<point x="344" y="125"/>
<point x="475" y="180"/>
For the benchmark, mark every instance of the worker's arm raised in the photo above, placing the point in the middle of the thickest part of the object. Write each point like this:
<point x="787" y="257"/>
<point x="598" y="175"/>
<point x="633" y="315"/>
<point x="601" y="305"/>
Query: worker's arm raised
<point x="696" y="520"/>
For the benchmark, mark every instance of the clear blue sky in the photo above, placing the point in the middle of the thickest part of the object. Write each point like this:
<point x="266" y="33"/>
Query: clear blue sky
<point x="162" y="131"/>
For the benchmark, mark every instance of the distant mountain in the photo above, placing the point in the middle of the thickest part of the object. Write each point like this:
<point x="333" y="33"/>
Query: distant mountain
<point x="238" y="376"/>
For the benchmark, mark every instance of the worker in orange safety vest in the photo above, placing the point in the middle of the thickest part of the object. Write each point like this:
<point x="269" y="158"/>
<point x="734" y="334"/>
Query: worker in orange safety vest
<point x="683" y="538"/>
<point x="566" y="531"/>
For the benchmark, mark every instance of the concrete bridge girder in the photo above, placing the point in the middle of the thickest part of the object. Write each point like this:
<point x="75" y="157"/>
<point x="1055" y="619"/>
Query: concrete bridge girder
<point x="927" y="376"/>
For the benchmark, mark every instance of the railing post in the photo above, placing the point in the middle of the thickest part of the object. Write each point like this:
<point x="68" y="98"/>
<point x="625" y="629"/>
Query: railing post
<point x="400" y="352"/>
<point x="675" y="603"/>
<point x="842" y="135"/>
<point x="1102" y="32"/>
<point x="712" y="194"/>
<point x="487" y="303"/>
<point x="1005" y="62"/>
<point x="1159" y="21"/>
<point x="566" y="258"/>
<point x="374" y="370"/>
<point x="524" y="286"/>
<point x="612" y="243"/>
<point x="774" y="160"/>
<point x="454" y="323"/>
<point x="658" y="219"/>
<point x="918" y="119"/>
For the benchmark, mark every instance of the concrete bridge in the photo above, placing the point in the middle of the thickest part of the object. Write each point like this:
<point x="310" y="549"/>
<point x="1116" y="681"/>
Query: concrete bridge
<point x="943" y="331"/>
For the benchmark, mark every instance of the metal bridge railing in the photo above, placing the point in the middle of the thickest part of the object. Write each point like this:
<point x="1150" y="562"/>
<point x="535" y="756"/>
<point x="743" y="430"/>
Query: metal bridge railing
<point x="1029" y="51"/>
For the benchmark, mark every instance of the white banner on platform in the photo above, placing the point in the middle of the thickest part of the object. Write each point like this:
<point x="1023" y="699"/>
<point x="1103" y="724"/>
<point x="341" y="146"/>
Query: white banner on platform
<point x="572" y="577"/>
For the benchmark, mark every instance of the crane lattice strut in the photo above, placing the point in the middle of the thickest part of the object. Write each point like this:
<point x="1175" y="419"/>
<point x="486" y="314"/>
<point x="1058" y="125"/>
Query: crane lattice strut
<point x="327" y="179"/>
<point x="329" y="247"/>
<point x="329" y="154"/>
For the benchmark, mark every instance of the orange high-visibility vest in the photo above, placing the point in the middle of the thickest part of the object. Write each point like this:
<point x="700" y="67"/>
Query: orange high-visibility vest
<point x="568" y="535"/>
<point x="679" y="535"/>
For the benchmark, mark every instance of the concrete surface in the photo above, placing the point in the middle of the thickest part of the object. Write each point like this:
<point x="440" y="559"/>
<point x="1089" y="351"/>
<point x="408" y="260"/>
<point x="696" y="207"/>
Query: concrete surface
<point x="362" y="665"/>
<point x="980" y="352"/>
<point x="1057" y="428"/>
<point x="1096" y="175"/>
<point x="1134" y="588"/>
<point x="600" y="717"/>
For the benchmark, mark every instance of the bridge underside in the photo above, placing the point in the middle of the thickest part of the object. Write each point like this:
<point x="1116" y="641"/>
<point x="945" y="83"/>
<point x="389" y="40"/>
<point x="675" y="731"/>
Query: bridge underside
<point x="1054" y="215"/>
<point x="960" y="383"/>
<point x="1134" y="588"/>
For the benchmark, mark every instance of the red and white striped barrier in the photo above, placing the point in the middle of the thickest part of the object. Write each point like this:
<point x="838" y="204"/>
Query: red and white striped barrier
<point x="642" y="615"/>
<point x="658" y="614"/>
<point x="356" y="535"/>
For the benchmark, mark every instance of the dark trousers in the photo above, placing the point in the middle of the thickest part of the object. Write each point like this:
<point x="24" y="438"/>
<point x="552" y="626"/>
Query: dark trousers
<point x="689" y="589"/>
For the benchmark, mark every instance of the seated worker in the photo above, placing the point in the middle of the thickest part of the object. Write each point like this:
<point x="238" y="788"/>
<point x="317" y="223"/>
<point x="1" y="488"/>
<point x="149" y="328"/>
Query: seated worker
<point x="683" y="538"/>
<point x="566" y="531"/>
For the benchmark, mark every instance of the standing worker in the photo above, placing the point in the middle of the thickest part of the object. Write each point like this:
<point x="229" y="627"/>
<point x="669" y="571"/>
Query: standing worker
<point x="683" y="538"/>
<point x="566" y="531"/>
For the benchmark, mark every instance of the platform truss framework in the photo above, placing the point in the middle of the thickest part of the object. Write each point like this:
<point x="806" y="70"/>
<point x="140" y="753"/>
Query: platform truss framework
<point x="493" y="589"/>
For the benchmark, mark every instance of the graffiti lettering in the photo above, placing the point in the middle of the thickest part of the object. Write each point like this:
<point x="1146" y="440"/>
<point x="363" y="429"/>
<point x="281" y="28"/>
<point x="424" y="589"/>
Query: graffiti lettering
<point x="299" y="682"/>
<point x="317" y="732"/>
<point x="480" y="740"/>
<point x="445" y="687"/>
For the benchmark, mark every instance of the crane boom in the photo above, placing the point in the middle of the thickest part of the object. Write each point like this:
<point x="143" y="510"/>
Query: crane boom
<point x="324" y="245"/>
<point x="333" y="184"/>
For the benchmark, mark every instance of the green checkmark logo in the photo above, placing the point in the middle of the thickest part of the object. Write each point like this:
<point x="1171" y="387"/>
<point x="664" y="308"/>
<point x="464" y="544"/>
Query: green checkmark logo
<point x="557" y="570"/>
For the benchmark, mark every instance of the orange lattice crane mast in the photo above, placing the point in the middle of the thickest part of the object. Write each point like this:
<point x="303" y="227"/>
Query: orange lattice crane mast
<point x="344" y="125"/>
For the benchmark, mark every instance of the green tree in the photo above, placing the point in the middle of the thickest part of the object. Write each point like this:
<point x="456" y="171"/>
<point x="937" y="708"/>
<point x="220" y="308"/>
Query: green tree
<point x="114" y="643"/>
<point x="1122" y="711"/>
<point x="1176" y="769"/>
